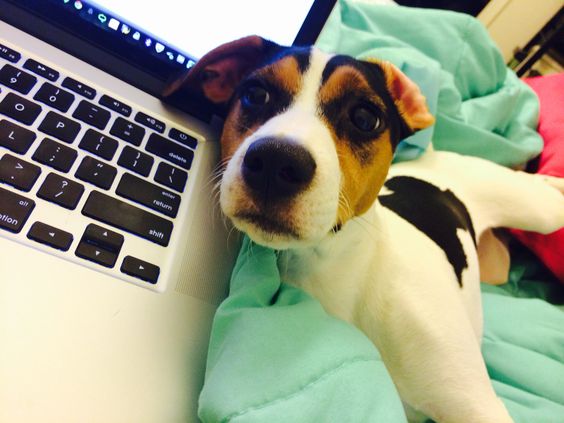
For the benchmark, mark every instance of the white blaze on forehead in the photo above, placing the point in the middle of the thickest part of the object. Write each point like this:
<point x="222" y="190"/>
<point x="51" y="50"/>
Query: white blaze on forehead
<point x="307" y="97"/>
<point x="302" y="121"/>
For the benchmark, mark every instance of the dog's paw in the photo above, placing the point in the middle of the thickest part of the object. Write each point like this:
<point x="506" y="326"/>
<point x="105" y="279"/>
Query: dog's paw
<point x="553" y="181"/>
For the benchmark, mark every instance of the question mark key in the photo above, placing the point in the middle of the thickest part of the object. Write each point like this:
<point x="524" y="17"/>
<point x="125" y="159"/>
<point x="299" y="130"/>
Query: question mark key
<point x="62" y="191"/>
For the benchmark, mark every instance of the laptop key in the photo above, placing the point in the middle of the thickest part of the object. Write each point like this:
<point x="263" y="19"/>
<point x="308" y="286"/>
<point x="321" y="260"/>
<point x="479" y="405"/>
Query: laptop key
<point x="128" y="131"/>
<point x="115" y="105"/>
<point x="130" y="218"/>
<point x="18" y="173"/>
<point x="150" y="122"/>
<point x="14" y="210"/>
<point x="51" y="236"/>
<point x="140" y="269"/>
<point x="135" y="160"/>
<point x="96" y="172"/>
<point x="104" y="238"/>
<point x="92" y="114"/>
<point x="183" y="138"/>
<point x="17" y="79"/>
<point x="171" y="176"/>
<point x="169" y="150"/>
<point x="79" y="88"/>
<point x="96" y="254"/>
<point x="60" y="190"/>
<point x="19" y="108"/>
<point x="55" y="97"/>
<point x="99" y="144"/>
<point x="148" y="194"/>
<point x="60" y="127"/>
<point x="15" y="138"/>
<point x="41" y="70"/>
<point x="56" y="155"/>
<point x="9" y="54"/>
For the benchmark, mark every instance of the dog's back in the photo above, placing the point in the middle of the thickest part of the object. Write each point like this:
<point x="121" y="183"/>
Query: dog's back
<point x="495" y="196"/>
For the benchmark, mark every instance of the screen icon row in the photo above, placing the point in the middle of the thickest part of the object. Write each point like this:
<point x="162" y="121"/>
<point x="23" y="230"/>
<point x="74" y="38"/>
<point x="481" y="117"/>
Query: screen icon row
<point x="114" y="24"/>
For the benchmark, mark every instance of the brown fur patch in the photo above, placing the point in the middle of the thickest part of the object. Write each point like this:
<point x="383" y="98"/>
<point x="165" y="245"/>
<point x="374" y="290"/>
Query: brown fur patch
<point x="361" y="183"/>
<point x="364" y="168"/>
<point x="232" y="137"/>
<point x="407" y="96"/>
<point x="347" y="79"/>
<point x="285" y="75"/>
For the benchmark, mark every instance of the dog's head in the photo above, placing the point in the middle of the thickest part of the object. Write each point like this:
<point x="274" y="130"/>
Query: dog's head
<point x="308" y="137"/>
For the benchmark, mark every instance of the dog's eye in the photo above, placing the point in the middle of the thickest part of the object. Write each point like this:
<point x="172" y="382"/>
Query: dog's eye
<point x="255" y="95"/>
<point x="365" y="118"/>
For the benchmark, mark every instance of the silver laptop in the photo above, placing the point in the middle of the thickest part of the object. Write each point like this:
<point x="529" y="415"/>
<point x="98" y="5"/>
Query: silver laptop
<point x="113" y="252"/>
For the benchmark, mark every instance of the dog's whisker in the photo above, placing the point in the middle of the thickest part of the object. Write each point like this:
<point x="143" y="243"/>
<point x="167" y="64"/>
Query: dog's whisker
<point x="344" y="204"/>
<point x="232" y="230"/>
<point x="214" y="181"/>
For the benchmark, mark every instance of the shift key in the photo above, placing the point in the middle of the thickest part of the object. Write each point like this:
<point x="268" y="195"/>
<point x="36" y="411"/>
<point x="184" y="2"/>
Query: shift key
<point x="14" y="210"/>
<point x="125" y="216"/>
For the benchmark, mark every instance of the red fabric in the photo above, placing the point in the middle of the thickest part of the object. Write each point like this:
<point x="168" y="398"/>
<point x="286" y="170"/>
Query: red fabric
<point x="550" y="90"/>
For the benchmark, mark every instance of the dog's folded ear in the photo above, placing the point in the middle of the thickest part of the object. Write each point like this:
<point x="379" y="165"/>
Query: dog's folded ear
<point x="216" y="75"/>
<point x="407" y="96"/>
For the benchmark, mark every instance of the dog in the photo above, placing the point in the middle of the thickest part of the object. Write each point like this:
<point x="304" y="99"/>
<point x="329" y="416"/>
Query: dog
<point x="307" y="147"/>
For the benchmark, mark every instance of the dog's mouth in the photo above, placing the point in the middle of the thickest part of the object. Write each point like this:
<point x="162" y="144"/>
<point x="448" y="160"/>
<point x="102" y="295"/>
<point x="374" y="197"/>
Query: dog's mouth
<point x="269" y="224"/>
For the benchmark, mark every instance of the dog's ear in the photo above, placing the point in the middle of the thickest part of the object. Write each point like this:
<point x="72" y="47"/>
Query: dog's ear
<point x="216" y="75"/>
<point x="407" y="96"/>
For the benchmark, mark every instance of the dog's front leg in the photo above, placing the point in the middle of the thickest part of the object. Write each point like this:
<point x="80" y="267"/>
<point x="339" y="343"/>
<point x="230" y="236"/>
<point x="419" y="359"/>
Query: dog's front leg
<point x="418" y="317"/>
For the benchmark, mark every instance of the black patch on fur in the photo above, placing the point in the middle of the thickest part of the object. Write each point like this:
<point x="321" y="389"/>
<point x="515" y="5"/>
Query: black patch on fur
<point x="337" y="111"/>
<point x="438" y="214"/>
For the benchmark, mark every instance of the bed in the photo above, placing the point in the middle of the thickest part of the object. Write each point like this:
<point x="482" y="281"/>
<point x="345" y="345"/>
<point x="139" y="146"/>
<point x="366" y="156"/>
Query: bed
<point x="276" y="356"/>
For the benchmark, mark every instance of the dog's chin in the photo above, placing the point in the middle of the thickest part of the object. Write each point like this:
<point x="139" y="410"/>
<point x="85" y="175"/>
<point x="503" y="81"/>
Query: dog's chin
<point x="273" y="233"/>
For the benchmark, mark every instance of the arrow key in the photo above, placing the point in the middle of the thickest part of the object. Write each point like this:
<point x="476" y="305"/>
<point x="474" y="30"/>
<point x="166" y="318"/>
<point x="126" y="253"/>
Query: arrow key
<point x="51" y="236"/>
<point x="96" y="254"/>
<point x="104" y="238"/>
<point x="140" y="269"/>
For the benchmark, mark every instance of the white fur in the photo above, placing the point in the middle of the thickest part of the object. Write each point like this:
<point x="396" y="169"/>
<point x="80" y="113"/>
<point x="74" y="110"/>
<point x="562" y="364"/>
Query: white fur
<point x="383" y="275"/>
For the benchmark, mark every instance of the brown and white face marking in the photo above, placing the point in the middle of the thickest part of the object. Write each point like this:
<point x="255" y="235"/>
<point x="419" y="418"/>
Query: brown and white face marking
<point x="309" y="137"/>
<point x="308" y="143"/>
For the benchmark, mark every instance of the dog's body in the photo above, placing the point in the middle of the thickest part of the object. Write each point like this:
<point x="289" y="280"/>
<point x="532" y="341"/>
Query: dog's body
<point x="307" y="147"/>
<point x="386" y="276"/>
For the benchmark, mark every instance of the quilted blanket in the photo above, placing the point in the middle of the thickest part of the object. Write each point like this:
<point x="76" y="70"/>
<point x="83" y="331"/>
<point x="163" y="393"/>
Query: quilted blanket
<point x="276" y="356"/>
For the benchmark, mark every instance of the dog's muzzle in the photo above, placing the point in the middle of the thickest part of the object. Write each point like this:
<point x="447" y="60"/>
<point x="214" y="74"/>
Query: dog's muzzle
<point x="275" y="169"/>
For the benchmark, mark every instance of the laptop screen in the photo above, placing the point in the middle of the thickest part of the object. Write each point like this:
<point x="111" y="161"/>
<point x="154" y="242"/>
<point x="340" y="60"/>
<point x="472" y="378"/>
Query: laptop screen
<point x="146" y="43"/>
<point x="195" y="27"/>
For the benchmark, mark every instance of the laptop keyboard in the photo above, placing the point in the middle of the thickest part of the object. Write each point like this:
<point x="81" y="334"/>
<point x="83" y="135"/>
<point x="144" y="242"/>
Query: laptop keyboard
<point x="72" y="150"/>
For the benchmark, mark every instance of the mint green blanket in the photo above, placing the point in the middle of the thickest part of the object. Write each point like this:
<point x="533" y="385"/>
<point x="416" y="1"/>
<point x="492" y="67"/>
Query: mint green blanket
<point x="482" y="108"/>
<point x="276" y="356"/>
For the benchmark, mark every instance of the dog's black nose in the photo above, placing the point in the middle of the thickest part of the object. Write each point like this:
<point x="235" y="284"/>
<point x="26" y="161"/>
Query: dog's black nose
<point x="277" y="168"/>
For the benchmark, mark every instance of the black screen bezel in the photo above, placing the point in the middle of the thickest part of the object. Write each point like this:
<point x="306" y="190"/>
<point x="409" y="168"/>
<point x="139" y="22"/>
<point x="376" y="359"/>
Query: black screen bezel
<point x="55" y="24"/>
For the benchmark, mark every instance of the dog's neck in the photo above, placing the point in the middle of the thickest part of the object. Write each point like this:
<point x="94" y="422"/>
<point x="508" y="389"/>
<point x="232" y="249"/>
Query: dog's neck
<point x="318" y="268"/>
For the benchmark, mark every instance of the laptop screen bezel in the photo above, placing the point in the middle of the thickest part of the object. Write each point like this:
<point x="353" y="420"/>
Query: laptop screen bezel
<point x="57" y="25"/>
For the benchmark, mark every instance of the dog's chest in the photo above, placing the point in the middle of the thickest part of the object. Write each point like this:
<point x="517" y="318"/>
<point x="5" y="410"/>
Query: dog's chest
<point x="334" y="272"/>
<point x="414" y="246"/>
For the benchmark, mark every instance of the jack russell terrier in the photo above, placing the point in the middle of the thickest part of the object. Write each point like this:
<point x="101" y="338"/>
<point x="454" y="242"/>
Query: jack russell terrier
<point x="307" y="147"/>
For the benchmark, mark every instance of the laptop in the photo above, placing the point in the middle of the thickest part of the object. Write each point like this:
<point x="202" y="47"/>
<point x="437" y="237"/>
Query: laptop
<point x="113" y="252"/>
